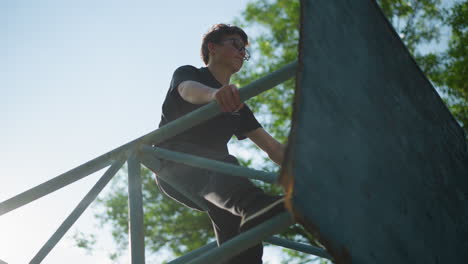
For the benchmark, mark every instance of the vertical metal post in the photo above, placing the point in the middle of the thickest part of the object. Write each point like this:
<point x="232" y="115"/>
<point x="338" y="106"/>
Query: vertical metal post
<point x="135" y="207"/>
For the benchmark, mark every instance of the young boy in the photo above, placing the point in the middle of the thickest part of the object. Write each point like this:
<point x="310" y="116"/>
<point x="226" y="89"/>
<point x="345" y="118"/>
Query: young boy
<point x="234" y="203"/>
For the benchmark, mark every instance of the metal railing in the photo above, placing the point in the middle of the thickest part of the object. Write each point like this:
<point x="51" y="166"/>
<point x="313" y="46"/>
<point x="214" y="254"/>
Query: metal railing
<point x="139" y="152"/>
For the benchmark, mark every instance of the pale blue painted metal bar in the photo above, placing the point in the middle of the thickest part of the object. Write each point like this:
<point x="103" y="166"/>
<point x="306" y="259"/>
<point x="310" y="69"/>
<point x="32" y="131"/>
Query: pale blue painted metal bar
<point x="153" y="163"/>
<point x="135" y="203"/>
<point x="212" y="109"/>
<point x="193" y="254"/>
<point x="245" y="240"/>
<point x="319" y="252"/>
<point x="76" y="213"/>
<point x="272" y="240"/>
<point x="135" y="207"/>
<point x="55" y="183"/>
<point x="210" y="164"/>
<point x="154" y="137"/>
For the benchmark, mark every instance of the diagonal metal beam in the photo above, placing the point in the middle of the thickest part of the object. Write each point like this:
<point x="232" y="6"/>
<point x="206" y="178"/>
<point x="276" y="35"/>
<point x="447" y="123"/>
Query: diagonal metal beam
<point x="169" y="130"/>
<point x="245" y="240"/>
<point x="193" y="254"/>
<point x="76" y="213"/>
<point x="277" y="241"/>
<point x="153" y="164"/>
<point x="55" y="183"/>
<point x="210" y="164"/>
<point x="319" y="252"/>
<point x="212" y="109"/>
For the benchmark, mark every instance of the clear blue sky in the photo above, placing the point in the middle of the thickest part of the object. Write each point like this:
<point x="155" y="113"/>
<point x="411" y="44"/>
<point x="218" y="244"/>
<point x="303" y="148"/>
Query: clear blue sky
<point x="77" y="79"/>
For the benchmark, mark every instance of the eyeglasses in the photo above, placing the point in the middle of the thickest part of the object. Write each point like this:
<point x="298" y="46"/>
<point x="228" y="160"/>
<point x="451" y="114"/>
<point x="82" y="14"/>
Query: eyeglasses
<point x="238" y="45"/>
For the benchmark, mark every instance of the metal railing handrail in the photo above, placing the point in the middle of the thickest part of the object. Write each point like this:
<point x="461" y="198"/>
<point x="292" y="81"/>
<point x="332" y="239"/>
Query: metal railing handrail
<point x="137" y="152"/>
<point x="171" y="129"/>
<point x="209" y="164"/>
<point x="274" y="240"/>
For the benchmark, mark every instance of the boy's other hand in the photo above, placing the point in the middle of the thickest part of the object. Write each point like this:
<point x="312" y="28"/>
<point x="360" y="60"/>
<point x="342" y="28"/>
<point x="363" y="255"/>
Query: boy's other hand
<point x="228" y="98"/>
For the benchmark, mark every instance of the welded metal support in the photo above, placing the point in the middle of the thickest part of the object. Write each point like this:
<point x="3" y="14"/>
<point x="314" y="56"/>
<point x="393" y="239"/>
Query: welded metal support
<point x="193" y="254"/>
<point x="319" y="252"/>
<point x="55" y="183"/>
<point x="135" y="207"/>
<point x="171" y="129"/>
<point x="136" y="227"/>
<point x="213" y="165"/>
<point x="277" y="241"/>
<point x="153" y="163"/>
<point x="76" y="213"/>
<point x="212" y="109"/>
<point x="245" y="240"/>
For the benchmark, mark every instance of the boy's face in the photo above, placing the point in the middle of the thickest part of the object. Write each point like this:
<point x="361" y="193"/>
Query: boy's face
<point x="230" y="52"/>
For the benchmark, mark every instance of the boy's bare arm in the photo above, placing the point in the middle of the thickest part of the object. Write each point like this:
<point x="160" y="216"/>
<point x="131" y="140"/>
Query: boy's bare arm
<point x="197" y="93"/>
<point x="267" y="143"/>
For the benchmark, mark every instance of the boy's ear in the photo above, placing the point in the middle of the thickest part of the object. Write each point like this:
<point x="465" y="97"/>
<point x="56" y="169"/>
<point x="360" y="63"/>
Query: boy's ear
<point x="211" y="47"/>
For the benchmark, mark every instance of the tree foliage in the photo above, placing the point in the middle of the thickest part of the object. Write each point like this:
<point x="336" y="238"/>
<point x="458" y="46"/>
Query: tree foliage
<point x="275" y="38"/>
<point x="455" y="67"/>
<point x="168" y="226"/>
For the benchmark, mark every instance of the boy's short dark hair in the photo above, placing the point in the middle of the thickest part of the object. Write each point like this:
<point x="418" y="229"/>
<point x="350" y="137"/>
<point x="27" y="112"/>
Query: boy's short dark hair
<point x="216" y="33"/>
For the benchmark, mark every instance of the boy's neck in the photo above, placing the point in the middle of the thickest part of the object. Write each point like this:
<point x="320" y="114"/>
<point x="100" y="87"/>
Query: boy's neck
<point x="221" y="74"/>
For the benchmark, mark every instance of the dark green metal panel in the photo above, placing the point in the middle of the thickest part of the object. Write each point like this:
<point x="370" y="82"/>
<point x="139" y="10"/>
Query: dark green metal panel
<point x="380" y="166"/>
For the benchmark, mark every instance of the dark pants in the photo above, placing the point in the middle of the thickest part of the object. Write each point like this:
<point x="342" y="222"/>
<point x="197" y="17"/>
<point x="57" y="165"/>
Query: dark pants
<point x="228" y="198"/>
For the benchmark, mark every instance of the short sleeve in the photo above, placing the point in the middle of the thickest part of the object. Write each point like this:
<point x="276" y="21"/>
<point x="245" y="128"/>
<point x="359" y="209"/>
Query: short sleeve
<point x="247" y="123"/>
<point x="174" y="105"/>
<point x="181" y="74"/>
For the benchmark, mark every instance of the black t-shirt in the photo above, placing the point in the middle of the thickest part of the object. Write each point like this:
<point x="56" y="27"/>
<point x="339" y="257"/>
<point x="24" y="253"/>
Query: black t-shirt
<point x="214" y="133"/>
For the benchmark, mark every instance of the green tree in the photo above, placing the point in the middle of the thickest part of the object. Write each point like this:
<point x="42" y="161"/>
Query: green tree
<point x="275" y="24"/>
<point x="454" y="74"/>
<point x="168" y="226"/>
